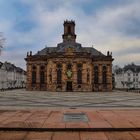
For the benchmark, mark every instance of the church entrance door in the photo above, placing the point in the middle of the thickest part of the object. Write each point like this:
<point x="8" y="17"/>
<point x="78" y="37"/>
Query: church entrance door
<point x="69" y="86"/>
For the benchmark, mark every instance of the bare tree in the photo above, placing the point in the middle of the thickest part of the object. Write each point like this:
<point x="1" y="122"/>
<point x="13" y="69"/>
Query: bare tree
<point x="2" y="41"/>
<point x="116" y="69"/>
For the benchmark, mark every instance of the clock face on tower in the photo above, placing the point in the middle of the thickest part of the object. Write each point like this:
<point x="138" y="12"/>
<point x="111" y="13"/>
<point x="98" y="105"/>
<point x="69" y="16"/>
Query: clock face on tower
<point x="69" y="37"/>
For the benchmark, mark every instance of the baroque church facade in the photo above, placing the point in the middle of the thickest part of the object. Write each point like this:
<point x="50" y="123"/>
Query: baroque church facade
<point x="69" y="66"/>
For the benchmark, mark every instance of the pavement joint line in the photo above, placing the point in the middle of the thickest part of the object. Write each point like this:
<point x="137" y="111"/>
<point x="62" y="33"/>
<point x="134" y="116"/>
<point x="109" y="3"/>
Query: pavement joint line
<point x="69" y="129"/>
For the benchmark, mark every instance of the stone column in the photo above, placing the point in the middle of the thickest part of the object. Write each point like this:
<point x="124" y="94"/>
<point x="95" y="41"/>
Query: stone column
<point x="54" y="74"/>
<point x="29" y="77"/>
<point x="109" y="77"/>
<point x="74" y="76"/>
<point x="92" y="76"/>
<point x="46" y="77"/>
<point x="49" y="73"/>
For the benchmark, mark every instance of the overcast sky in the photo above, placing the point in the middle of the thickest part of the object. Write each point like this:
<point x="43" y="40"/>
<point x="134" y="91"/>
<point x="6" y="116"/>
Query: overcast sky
<point x="112" y="25"/>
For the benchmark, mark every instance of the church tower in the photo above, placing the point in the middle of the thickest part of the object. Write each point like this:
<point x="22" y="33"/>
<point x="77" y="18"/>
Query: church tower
<point x="69" y="31"/>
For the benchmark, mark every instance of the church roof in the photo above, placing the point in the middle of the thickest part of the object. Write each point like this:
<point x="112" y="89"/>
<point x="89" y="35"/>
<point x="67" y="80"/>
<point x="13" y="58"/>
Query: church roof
<point x="69" y="41"/>
<point x="61" y="48"/>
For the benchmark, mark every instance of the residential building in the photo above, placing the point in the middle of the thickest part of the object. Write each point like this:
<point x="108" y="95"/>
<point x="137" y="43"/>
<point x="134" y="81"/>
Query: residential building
<point x="11" y="76"/>
<point x="127" y="77"/>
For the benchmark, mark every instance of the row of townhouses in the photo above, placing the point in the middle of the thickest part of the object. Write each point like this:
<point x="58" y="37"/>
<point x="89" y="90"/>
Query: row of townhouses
<point x="11" y="76"/>
<point x="127" y="77"/>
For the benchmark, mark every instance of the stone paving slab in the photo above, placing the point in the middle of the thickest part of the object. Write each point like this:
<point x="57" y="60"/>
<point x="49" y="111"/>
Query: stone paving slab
<point x="24" y="135"/>
<point x="97" y="119"/>
<point x="103" y="124"/>
<point x="22" y="99"/>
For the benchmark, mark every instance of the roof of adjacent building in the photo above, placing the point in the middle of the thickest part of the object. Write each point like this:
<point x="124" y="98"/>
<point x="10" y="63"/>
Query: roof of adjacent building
<point x="134" y="68"/>
<point x="11" y="67"/>
<point x="130" y="67"/>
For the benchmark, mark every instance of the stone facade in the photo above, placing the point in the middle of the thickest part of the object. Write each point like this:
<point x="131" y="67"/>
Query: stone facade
<point x="69" y="66"/>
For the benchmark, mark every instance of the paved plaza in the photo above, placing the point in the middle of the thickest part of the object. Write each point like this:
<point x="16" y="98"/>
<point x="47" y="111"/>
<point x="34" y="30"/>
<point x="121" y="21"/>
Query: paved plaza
<point x="42" y="99"/>
<point x="50" y="124"/>
<point x="42" y="115"/>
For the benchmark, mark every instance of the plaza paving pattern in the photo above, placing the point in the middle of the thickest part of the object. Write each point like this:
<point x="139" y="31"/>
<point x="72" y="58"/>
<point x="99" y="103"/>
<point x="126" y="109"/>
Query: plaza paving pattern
<point x="39" y="115"/>
<point x="42" y="99"/>
<point x="50" y="125"/>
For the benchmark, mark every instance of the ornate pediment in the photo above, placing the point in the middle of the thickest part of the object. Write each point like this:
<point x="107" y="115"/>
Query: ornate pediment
<point x="70" y="50"/>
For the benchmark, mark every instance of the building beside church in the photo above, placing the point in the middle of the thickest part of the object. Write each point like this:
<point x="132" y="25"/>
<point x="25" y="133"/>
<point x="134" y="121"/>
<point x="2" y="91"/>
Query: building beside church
<point x="127" y="77"/>
<point x="69" y="66"/>
<point x="11" y="77"/>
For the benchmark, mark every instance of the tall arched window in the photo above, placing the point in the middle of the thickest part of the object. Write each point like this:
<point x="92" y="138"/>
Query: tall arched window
<point x="69" y="29"/>
<point x="104" y="75"/>
<point x="79" y="74"/>
<point x="88" y="75"/>
<point x="96" y="74"/>
<point x="34" y="75"/>
<point x="42" y="75"/>
<point x="59" y="73"/>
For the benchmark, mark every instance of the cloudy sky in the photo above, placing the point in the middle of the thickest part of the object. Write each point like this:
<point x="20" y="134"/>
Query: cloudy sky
<point x="112" y="25"/>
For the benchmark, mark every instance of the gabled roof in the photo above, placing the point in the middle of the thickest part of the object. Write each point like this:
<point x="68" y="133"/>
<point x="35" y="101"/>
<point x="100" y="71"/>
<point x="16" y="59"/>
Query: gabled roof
<point x="11" y="67"/>
<point x="8" y="66"/>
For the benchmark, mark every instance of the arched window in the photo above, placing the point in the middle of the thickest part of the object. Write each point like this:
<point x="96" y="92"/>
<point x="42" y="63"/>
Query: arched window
<point x="69" y="67"/>
<point x="69" y="29"/>
<point x="34" y="75"/>
<point x="88" y="75"/>
<point x="59" y="73"/>
<point x="104" y="75"/>
<point x="79" y="74"/>
<point x="34" y="68"/>
<point x="96" y="74"/>
<point x="42" y="75"/>
<point x="42" y="68"/>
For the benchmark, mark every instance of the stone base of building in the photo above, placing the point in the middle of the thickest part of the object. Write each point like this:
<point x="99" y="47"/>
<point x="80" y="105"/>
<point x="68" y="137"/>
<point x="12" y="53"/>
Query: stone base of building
<point x="70" y="88"/>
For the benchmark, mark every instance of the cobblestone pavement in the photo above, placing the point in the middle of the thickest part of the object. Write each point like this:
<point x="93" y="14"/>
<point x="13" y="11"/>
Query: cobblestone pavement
<point x="43" y="99"/>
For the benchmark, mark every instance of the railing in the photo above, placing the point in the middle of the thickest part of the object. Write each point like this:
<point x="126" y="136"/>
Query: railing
<point x="129" y="90"/>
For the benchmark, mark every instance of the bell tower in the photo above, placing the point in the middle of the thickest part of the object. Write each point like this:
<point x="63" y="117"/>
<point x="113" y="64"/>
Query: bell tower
<point x="69" y="31"/>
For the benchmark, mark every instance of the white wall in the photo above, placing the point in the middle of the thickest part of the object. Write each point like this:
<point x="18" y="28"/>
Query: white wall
<point x="11" y="79"/>
<point x="130" y="80"/>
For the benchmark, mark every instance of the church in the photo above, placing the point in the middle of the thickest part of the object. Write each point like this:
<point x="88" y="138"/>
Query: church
<point x="69" y="66"/>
